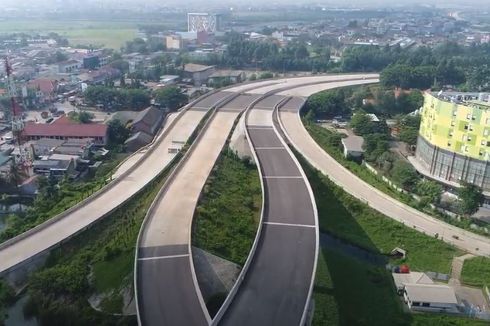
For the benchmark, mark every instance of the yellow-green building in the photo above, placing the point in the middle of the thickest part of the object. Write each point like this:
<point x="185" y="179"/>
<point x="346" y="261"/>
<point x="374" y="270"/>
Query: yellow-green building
<point x="454" y="140"/>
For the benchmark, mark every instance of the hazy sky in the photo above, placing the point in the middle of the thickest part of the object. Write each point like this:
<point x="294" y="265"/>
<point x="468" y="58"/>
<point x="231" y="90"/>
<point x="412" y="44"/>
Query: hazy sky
<point x="69" y="5"/>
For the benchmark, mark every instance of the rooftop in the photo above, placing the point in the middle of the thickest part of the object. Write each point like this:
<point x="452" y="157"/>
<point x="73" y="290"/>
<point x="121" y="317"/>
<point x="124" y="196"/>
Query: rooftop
<point x="403" y="279"/>
<point x="226" y="73"/>
<point x="192" y="67"/>
<point x="431" y="293"/>
<point x="353" y="143"/>
<point x="64" y="128"/>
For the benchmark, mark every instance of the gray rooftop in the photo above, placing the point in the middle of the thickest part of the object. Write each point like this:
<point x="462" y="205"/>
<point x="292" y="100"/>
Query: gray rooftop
<point x="353" y="143"/>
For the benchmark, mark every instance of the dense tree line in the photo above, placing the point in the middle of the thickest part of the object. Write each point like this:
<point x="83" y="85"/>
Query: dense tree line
<point x="117" y="98"/>
<point x="423" y="67"/>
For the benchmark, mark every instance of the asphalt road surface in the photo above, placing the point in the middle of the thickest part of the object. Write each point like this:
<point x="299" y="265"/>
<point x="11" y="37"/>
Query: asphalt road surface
<point x="168" y="293"/>
<point x="276" y="286"/>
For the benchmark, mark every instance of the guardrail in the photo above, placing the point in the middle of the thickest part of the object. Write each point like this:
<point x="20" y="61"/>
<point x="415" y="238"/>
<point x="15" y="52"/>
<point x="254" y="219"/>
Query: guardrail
<point x="246" y="266"/>
<point x="315" y="211"/>
<point x="162" y="192"/>
<point x="97" y="194"/>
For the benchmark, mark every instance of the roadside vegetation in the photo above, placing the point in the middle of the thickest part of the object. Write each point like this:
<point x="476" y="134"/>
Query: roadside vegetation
<point x="400" y="173"/>
<point x="358" y="224"/>
<point x="347" y="283"/>
<point x="99" y="262"/>
<point x="227" y="215"/>
<point x="95" y="266"/>
<point x="54" y="197"/>
<point x="476" y="272"/>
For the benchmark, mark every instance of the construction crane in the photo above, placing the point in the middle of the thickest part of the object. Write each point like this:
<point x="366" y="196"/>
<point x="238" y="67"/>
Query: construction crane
<point x="17" y="120"/>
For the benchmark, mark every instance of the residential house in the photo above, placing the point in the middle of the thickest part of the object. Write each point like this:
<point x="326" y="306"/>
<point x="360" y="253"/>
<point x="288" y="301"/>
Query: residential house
<point x="353" y="146"/>
<point x="65" y="129"/>
<point x="431" y="298"/>
<point x="197" y="74"/>
<point x="220" y="77"/>
<point x="45" y="89"/>
<point x="144" y="127"/>
<point x="68" y="67"/>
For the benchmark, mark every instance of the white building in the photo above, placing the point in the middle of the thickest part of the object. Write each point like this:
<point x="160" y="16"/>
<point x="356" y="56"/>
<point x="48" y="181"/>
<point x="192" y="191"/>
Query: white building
<point x="431" y="298"/>
<point x="203" y="22"/>
<point x="353" y="146"/>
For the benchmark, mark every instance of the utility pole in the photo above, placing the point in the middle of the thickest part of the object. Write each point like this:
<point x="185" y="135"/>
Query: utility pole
<point x="17" y="121"/>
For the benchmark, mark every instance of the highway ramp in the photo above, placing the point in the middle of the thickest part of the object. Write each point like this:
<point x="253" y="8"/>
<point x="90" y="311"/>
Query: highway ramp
<point x="167" y="289"/>
<point x="278" y="282"/>
<point x="315" y="155"/>
<point x="117" y="192"/>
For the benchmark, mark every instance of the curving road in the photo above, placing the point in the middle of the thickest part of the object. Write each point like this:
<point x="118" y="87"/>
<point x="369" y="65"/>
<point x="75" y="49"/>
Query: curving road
<point x="35" y="242"/>
<point x="278" y="282"/>
<point x="167" y="289"/>
<point x="304" y="144"/>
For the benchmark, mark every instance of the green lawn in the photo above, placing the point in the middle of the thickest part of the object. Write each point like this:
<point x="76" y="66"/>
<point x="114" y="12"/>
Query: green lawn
<point x="352" y="292"/>
<point x="112" y="34"/>
<point x="348" y="292"/>
<point x="226" y="218"/>
<point x="111" y="274"/>
<point x="346" y="217"/>
<point x="476" y="271"/>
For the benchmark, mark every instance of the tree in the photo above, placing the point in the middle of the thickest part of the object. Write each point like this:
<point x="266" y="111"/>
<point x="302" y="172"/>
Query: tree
<point x="117" y="133"/>
<point x="404" y="175"/>
<point x="430" y="190"/>
<point x="171" y="97"/>
<point x="409" y="129"/>
<point x="470" y="198"/>
<point x="81" y="117"/>
<point x="375" y="145"/>
<point x="327" y="104"/>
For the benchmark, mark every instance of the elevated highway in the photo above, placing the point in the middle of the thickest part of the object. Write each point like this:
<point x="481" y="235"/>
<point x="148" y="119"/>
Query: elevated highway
<point x="37" y="241"/>
<point x="297" y="135"/>
<point x="278" y="281"/>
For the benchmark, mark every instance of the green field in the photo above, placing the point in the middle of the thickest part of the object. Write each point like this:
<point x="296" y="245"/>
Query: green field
<point x="226" y="218"/>
<point x="348" y="292"/>
<point x="347" y="218"/>
<point x="111" y="34"/>
<point x="476" y="271"/>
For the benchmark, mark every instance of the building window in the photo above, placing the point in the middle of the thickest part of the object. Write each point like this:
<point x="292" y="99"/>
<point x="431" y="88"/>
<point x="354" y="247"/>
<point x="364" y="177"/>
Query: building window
<point x="487" y="121"/>
<point x="448" y="144"/>
<point x="425" y="304"/>
<point x="416" y="304"/>
<point x="485" y="132"/>
<point x="488" y="143"/>
<point x="468" y="116"/>
<point x="453" y="123"/>
<point x="451" y="133"/>
<point x="471" y="127"/>
<point x="469" y="138"/>
<point x="466" y="148"/>
<point x="483" y="142"/>
<point x="466" y="127"/>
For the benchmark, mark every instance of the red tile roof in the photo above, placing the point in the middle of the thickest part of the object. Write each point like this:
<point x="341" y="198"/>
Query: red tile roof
<point x="65" y="129"/>
<point x="43" y="84"/>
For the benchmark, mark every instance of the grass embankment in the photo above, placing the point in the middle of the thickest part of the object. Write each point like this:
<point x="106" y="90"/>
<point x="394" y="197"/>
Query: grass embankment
<point x="347" y="218"/>
<point x="57" y="200"/>
<point x="476" y="272"/>
<point x="322" y="136"/>
<point x="349" y="291"/>
<point x="6" y="298"/>
<point x="95" y="262"/>
<point x="226" y="218"/>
